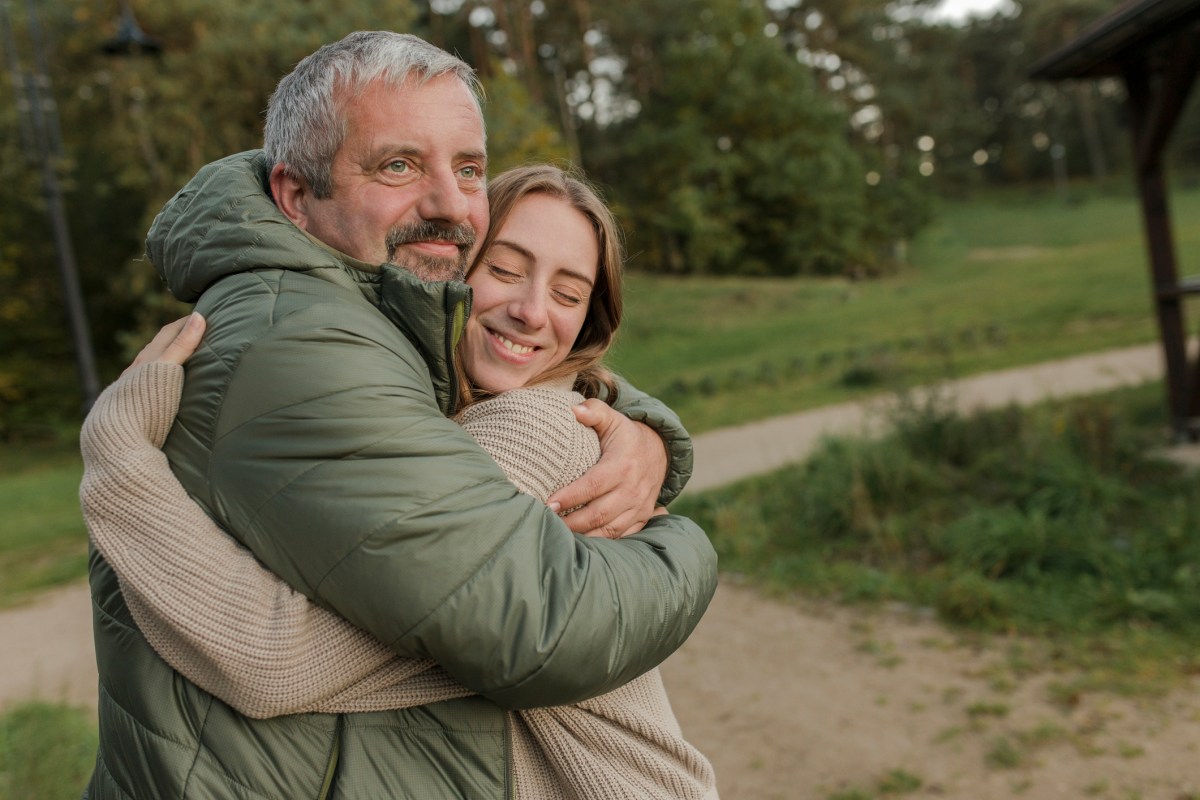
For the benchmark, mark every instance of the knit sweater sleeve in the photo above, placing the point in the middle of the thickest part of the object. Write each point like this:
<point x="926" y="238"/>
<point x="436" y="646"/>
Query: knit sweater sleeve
<point x="247" y="637"/>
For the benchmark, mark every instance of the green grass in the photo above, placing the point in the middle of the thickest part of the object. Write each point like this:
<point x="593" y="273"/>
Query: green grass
<point x="1007" y="279"/>
<point x="1054" y="521"/>
<point x="43" y="541"/>
<point x="46" y="752"/>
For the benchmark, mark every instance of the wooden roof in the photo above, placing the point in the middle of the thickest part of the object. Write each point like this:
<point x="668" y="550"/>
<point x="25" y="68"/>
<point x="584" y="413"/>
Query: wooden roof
<point x="1131" y="30"/>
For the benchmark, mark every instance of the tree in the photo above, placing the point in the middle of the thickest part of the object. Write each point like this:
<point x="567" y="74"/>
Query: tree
<point x="134" y="130"/>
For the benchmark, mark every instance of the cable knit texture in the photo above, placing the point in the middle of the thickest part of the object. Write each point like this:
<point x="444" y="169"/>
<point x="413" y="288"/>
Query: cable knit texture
<point x="267" y="651"/>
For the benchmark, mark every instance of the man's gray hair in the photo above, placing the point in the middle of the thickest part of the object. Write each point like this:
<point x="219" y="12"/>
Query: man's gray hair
<point x="306" y="123"/>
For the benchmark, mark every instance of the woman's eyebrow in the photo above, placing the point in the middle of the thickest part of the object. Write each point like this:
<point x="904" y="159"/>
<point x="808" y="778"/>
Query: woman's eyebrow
<point x="518" y="249"/>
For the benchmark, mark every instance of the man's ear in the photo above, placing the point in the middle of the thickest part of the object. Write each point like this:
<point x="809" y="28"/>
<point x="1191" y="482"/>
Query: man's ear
<point x="292" y="195"/>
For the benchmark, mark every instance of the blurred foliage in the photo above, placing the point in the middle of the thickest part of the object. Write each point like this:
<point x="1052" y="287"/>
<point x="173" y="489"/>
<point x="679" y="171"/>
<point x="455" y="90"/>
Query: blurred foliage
<point x="758" y="137"/>
<point x="1055" y="520"/>
<point x="736" y="162"/>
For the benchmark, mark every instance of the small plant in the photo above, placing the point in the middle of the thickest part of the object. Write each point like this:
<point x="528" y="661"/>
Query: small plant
<point x="948" y="735"/>
<point x="1127" y="750"/>
<point x="1003" y="754"/>
<point x="850" y="794"/>
<point x="898" y="781"/>
<point x="1044" y="734"/>
<point x="979" y="710"/>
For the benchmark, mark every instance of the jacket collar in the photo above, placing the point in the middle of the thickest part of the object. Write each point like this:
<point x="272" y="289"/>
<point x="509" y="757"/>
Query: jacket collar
<point x="433" y="316"/>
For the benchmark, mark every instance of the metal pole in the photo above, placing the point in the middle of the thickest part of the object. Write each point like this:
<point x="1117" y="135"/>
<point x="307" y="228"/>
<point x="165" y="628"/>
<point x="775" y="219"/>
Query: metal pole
<point x="47" y="139"/>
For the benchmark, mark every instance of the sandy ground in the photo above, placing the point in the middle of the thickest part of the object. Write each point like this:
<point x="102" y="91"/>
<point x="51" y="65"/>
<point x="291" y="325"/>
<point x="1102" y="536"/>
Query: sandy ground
<point x="797" y="700"/>
<point x="793" y="701"/>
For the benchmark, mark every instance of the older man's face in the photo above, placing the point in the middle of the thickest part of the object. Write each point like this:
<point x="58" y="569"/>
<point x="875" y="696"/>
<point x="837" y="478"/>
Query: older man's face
<point x="408" y="181"/>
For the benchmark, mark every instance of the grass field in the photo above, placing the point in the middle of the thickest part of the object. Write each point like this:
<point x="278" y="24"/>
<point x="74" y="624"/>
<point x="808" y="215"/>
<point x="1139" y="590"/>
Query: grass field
<point x="46" y="751"/>
<point x="1006" y="280"/>
<point x="42" y="541"/>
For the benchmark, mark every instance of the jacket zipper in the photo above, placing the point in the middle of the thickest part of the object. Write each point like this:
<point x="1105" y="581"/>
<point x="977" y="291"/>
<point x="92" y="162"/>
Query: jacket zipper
<point x="331" y="767"/>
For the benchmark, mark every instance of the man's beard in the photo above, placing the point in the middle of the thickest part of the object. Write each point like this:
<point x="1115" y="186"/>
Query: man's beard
<point x="426" y="267"/>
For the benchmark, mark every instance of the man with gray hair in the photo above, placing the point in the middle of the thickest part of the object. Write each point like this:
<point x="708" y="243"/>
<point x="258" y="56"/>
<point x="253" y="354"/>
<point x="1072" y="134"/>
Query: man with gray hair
<point x="313" y="428"/>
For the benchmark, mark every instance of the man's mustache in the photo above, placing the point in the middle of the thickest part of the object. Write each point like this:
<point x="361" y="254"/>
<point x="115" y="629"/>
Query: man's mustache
<point x="462" y="235"/>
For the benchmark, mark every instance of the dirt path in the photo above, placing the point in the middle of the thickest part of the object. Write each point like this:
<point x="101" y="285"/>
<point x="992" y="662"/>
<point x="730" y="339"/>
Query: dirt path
<point x="731" y="453"/>
<point x="794" y="700"/>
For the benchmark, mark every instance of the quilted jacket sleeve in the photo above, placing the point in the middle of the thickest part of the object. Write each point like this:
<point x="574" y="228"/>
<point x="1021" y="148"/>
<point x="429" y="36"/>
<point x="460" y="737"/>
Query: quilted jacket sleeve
<point x="638" y="405"/>
<point x="331" y="461"/>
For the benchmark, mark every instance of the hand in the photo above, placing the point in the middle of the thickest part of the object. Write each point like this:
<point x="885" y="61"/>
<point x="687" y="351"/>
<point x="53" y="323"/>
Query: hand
<point x="173" y="343"/>
<point x="620" y="493"/>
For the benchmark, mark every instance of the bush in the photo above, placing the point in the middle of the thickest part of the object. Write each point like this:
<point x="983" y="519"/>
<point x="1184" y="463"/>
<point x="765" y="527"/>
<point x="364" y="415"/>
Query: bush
<point x="1054" y="519"/>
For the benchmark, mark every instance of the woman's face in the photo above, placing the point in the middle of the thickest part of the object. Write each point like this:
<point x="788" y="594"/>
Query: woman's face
<point x="531" y="289"/>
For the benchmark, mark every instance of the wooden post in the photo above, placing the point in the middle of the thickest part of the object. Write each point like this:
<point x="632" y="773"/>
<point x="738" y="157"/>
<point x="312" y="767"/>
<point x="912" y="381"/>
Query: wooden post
<point x="1155" y="107"/>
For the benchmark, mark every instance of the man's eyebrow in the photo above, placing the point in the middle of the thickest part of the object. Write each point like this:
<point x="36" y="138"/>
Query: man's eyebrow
<point x="526" y="254"/>
<point x="391" y="149"/>
<point x="412" y="151"/>
<point x="474" y="155"/>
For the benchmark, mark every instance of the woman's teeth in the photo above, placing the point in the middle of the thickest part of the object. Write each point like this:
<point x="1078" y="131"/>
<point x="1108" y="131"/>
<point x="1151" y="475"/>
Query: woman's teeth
<point x="512" y="346"/>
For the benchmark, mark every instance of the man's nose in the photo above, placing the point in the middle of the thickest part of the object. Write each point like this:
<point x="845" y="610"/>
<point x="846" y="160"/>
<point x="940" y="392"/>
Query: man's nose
<point x="444" y="199"/>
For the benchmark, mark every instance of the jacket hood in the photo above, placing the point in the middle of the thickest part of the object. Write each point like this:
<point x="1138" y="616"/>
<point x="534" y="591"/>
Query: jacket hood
<point x="223" y="222"/>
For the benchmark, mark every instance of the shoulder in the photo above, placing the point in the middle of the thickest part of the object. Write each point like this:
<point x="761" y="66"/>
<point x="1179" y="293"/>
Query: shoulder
<point x="534" y="437"/>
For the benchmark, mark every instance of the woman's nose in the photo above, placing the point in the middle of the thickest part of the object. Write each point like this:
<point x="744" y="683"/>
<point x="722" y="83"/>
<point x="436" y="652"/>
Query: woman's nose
<point x="530" y="308"/>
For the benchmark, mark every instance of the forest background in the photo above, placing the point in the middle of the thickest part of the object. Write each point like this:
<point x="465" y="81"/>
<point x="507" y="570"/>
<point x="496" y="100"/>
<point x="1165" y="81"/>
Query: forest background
<point x="771" y="138"/>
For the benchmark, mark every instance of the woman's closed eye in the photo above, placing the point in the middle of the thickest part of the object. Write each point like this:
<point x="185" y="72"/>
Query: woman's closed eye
<point x="569" y="297"/>
<point x="502" y="273"/>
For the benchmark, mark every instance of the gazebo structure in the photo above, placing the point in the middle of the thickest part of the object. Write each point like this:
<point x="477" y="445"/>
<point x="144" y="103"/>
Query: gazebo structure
<point x="1154" y="46"/>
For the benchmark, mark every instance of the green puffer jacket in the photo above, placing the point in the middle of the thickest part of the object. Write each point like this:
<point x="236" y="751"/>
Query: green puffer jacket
<point x="313" y="427"/>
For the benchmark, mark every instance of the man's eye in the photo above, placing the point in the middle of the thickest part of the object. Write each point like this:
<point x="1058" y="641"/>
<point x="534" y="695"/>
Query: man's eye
<point x="398" y="167"/>
<point x="470" y="173"/>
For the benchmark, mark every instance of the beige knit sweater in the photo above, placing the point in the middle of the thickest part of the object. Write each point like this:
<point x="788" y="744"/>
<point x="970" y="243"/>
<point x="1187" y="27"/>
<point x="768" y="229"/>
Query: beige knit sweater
<point x="252" y="641"/>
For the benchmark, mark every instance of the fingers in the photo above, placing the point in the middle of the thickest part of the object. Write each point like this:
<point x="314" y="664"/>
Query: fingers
<point x="614" y="531"/>
<point x="618" y="494"/>
<point x="599" y="416"/>
<point x="182" y="346"/>
<point x="173" y="343"/>
<point x="594" y="520"/>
